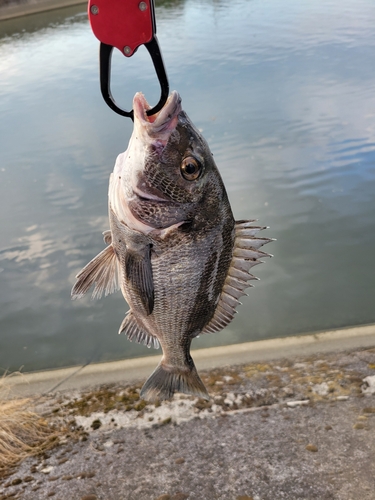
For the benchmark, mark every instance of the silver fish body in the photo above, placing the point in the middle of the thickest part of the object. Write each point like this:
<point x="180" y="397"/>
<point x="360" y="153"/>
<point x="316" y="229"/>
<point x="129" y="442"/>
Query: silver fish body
<point x="174" y="248"/>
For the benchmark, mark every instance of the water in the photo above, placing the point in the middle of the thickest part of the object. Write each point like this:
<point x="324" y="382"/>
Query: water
<point x="284" y="92"/>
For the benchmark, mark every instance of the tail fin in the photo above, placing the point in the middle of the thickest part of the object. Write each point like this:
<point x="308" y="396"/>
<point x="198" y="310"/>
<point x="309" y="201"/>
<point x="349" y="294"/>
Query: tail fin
<point x="166" y="380"/>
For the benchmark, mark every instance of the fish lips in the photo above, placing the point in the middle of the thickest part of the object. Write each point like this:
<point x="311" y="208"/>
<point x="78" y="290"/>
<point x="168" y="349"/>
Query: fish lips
<point x="156" y="129"/>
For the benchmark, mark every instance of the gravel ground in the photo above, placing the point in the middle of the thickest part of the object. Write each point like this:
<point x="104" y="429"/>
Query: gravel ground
<point x="293" y="429"/>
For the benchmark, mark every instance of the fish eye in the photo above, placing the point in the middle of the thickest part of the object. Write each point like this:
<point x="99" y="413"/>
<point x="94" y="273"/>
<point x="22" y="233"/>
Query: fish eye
<point x="190" y="168"/>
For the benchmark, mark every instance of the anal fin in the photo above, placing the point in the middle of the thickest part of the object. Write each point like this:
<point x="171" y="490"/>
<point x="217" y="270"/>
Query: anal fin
<point x="134" y="331"/>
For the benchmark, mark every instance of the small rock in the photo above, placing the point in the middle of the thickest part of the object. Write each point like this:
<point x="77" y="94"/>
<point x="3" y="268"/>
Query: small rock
<point x="166" y="421"/>
<point x="89" y="497"/>
<point x="369" y="410"/>
<point x="312" y="447"/>
<point x="321" y="389"/>
<point x="239" y="400"/>
<point x="108" y="444"/>
<point x="369" y="385"/>
<point x="244" y="497"/>
<point x="328" y="427"/>
<point x="229" y="400"/>
<point x="342" y="398"/>
<point x="293" y="404"/>
<point x="359" y="425"/>
<point x="16" y="481"/>
<point x="84" y="475"/>
<point x="47" y="470"/>
<point x="164" y="497"/>
<point x="288" y="391"/>
<point x="179" y="461"/>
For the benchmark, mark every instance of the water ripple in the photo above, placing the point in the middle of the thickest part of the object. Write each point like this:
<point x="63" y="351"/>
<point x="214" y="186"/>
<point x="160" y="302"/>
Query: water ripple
<point x="284" y="92"/>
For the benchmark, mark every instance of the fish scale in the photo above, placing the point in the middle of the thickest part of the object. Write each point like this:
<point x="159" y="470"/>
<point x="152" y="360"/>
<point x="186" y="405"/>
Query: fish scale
<point x="172" y="308"/>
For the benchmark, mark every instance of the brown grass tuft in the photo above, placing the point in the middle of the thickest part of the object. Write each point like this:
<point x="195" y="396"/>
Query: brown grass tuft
<point x="23" y="433"/>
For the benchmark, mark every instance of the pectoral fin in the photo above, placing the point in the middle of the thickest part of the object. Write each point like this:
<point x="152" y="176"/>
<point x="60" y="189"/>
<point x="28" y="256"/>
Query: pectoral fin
<point x="134" y="251"/>
<point x="138" y="272"/>
<point x="103" y="271"/>
<point x="245" y="255"/>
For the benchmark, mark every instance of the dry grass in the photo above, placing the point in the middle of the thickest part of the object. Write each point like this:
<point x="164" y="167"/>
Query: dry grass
<point x="23" y="432"/>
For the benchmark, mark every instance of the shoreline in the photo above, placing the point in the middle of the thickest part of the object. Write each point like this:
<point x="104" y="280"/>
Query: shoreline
<point x="292" y="428"/>
<point x="15" y="8"/>
<point x="128" y="370"/>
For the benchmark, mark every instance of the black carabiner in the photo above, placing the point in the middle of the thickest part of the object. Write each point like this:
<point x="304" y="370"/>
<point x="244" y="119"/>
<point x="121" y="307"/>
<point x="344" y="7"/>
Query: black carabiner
<point x="105" y="56"/>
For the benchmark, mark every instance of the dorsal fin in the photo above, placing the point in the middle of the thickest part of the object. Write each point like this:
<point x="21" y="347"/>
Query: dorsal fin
<point x="103" y="271"/>
<point x="136" y="332"/>
<point x="245" y="255"/>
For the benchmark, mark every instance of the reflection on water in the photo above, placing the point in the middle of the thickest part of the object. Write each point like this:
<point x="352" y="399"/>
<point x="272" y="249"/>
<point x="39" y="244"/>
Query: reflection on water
<point x="285" y="95"/>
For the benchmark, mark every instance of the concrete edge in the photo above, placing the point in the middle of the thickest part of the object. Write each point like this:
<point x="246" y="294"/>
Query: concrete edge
<point x="80" y="377"/>
<point x="15" y="9"/>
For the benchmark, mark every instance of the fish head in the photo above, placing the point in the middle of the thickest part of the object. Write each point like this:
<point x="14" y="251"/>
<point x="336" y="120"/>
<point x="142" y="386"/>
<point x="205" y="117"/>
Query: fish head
<point x="167" y="177"/>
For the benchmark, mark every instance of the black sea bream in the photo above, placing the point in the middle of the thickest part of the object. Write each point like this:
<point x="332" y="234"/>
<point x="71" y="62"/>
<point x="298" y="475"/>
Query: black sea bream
<point x="174" y="248"/>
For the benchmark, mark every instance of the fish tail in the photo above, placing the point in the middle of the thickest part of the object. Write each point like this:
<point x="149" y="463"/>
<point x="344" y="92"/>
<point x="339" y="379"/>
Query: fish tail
<point x="166" y="380"/>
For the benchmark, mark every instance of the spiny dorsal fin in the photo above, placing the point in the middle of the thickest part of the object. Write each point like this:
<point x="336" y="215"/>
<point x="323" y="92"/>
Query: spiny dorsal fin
<point x="103" y="271"/>
<point x="136" y="332"/>
<point x="245" y="255"/>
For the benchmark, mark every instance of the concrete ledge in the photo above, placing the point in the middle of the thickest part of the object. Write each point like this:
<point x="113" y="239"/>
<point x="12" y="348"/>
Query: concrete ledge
<point x="77" y="378"/>
<point x="17" y="8"/>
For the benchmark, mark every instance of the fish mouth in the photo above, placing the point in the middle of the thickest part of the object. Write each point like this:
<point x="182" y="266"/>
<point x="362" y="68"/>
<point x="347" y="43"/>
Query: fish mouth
<point x="148" y="196"/>
<point x="159" y="126"/>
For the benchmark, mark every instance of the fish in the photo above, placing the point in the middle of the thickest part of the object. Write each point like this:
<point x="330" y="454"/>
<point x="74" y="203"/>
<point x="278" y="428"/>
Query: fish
<point x="174" y="248"/>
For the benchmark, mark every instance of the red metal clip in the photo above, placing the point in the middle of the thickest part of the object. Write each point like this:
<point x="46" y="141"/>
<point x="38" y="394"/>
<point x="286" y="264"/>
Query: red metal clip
<point x="124" y="24"/>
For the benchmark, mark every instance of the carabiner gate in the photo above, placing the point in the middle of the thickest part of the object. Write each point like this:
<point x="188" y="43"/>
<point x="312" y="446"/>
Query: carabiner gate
<point x="105" y="56"/>
<point x="126" y="24"/>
